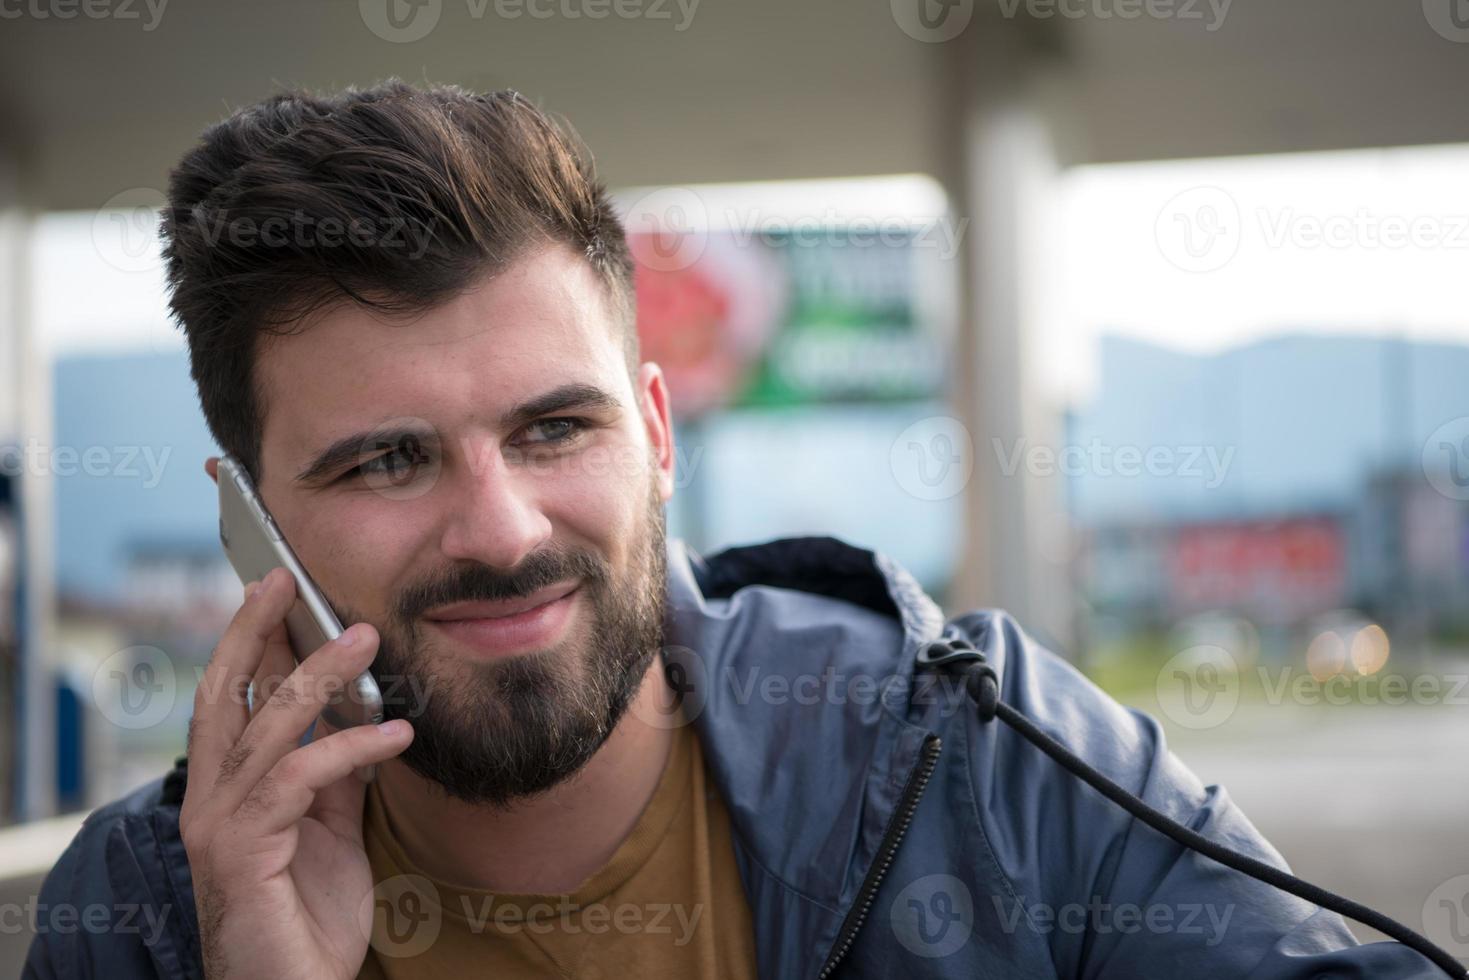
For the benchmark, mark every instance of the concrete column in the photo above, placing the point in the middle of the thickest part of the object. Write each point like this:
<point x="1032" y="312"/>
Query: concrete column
<point x="25" y="416"/>
<point x="999" y="163"/>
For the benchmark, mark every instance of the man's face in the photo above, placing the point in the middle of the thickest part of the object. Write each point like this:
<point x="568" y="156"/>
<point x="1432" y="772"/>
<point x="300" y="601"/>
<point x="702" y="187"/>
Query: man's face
<point x="496" y="451"/>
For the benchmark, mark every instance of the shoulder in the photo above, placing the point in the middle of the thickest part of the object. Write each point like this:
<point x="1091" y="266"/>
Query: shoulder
<point x="119" y="900"/>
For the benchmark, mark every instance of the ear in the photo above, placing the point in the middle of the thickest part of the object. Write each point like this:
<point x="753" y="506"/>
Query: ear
<point x="657" y="414"/>
<point x="211" y="466"/>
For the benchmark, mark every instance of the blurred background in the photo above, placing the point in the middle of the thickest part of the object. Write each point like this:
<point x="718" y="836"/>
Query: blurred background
<point x="1145" y="321"/>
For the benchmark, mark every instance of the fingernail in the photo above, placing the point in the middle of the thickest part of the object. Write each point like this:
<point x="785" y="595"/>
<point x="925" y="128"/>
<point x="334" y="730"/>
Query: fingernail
<point x="350" y="635"/>
<point x="263" y="586"/>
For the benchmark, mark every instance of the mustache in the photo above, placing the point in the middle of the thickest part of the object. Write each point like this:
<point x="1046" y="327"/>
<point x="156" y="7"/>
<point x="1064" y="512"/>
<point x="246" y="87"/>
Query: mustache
<point x="477" y="582"/>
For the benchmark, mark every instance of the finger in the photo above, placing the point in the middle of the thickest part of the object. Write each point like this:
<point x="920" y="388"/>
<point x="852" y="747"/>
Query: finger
<point x="275" y="666"/>
<point x="221" y="710"/>
<point x="339" y="806"/>
<point x="286" y="793"/>
<point x="280" y="722"/>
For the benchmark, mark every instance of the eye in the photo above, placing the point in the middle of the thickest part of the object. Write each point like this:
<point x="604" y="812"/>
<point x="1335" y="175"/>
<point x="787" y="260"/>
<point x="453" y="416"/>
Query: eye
<point x="557" y="430"/>
<point x="396" y="466"/>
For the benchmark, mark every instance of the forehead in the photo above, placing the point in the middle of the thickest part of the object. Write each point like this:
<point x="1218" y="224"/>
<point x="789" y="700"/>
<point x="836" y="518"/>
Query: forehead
<point x="541" y="322"/>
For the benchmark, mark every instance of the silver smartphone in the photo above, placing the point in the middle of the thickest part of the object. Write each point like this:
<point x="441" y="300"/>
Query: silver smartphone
<point x="254" y="545"/>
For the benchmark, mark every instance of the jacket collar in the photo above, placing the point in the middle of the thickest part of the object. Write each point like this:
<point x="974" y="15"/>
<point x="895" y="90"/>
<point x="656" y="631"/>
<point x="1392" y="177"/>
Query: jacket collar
<point x="795" y="662"/>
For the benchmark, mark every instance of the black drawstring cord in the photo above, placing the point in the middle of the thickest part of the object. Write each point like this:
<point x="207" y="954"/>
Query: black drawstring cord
<point x="983" y="684"/>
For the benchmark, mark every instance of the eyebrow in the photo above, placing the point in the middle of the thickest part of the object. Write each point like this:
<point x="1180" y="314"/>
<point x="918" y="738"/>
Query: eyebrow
<point x="350" y="448"/>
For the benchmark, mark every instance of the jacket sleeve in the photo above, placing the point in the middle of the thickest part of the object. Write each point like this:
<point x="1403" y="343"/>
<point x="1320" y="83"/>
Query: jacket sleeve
<point x="105" y="910"/>
<point x="1114" y="899"/>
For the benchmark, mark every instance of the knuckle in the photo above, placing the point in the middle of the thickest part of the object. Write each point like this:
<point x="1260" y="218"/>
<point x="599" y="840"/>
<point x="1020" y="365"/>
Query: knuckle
<point x="262" y="799"/>
<point x="289" y="694"/>
<point x="233" y="762"/>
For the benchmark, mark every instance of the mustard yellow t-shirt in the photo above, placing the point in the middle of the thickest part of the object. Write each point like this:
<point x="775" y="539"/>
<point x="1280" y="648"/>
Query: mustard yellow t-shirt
<point x="668" y="904"/>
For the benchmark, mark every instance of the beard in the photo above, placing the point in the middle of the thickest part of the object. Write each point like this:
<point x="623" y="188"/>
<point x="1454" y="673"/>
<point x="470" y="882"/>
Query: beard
<point x="494" y="733"/>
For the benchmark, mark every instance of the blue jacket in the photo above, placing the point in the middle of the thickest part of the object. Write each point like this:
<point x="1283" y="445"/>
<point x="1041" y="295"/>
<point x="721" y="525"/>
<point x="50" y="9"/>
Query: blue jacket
<point x="880" y="828"/>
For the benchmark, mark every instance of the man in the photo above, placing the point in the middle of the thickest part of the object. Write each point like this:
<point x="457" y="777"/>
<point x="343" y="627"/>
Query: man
<point x="410" y="316"/>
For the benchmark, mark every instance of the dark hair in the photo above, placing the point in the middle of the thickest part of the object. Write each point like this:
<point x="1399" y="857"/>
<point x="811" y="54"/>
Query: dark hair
<point x="394" y="197"/>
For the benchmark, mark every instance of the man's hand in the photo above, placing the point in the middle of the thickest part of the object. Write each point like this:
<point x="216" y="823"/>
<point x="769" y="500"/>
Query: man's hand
<point x="274" y="831"/>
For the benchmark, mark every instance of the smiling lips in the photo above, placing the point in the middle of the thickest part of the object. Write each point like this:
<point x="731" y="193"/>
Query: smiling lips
<point x="495" y="629"/>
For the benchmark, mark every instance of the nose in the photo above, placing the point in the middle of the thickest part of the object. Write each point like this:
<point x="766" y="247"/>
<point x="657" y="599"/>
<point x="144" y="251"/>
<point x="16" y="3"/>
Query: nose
<point x="496" y="514"/>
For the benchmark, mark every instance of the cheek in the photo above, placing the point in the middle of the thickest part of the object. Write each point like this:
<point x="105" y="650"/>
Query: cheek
<point x="364" y="547"/>
<point x="598" y="498"/>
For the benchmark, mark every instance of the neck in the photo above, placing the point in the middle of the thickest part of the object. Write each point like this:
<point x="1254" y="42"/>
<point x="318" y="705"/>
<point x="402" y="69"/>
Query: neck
<point x="549" y="844"/>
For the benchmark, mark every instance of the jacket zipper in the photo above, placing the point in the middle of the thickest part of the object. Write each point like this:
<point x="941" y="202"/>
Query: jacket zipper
<point x="902" y="817"/>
